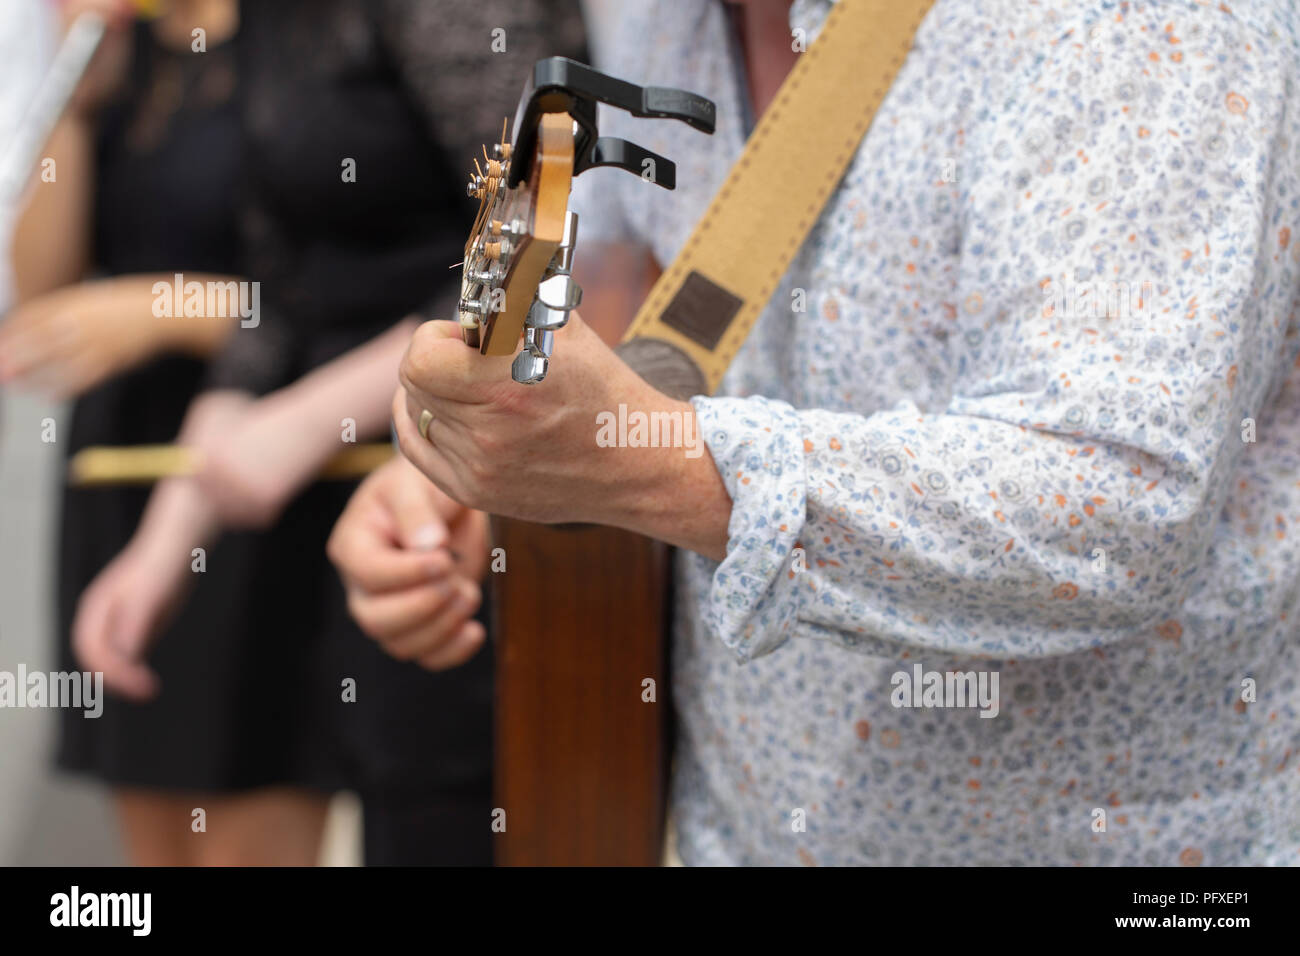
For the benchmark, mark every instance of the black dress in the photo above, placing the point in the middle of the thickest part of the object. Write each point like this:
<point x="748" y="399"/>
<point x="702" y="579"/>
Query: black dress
<point x="232" y="714"/>
<point x="404" y="92"/>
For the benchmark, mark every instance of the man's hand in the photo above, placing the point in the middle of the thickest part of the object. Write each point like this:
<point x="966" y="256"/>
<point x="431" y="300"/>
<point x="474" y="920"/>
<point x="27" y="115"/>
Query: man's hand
<point x="531" y="451"/>
<point x="411" y="559"/>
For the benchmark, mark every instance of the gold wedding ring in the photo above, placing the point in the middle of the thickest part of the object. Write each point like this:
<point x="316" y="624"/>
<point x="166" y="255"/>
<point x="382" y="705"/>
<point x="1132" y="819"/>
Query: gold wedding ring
<point x="426" y="419"/>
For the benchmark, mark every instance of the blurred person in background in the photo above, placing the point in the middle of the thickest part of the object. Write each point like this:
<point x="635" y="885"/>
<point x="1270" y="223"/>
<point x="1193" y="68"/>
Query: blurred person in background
<point x="147" y="178"/>
<point x="350" y="134"/>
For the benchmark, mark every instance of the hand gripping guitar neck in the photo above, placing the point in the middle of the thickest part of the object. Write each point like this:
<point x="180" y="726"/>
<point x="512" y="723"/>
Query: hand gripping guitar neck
<point x="516" y="281"/>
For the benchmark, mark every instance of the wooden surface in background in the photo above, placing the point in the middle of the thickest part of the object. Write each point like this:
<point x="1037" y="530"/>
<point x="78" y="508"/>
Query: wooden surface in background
<point x="581" y="761"/>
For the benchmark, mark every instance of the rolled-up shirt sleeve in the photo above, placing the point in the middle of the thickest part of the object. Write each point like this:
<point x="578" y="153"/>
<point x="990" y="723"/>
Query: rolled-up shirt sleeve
<point x="1066" y="493"/>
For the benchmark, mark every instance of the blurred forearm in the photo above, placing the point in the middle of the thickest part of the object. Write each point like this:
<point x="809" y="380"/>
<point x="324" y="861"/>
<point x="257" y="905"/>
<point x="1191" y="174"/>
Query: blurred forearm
<point x="257" y="454"/>
<point x="51" y="242"/>
<point x="357" y="385"/>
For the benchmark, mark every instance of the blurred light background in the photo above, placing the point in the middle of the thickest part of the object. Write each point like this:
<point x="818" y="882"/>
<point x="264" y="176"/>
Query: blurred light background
<point x="43" y="820"/>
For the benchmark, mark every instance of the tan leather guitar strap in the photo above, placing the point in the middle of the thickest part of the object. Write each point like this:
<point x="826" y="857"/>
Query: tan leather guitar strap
<point x="707" y="301"/>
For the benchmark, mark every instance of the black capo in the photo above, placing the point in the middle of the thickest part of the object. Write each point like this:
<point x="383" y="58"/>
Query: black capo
<point x="561" y="85"/>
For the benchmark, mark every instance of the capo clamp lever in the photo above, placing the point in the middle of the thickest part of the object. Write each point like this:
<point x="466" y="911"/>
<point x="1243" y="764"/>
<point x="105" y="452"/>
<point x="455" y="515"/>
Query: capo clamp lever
<point x="649" y="165"/>
<point x="561" y="85"/>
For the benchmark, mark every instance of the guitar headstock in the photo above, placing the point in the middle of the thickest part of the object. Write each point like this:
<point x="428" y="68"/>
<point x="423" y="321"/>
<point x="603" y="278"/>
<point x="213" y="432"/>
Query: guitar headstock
<point x="516" y="282"/>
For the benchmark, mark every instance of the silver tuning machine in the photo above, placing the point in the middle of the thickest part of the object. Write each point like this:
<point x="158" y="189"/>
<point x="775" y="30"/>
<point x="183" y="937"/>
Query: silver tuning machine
<point x="559" y="292"/>
<point x="531" y="364"/>
<point x="557" y="296"/>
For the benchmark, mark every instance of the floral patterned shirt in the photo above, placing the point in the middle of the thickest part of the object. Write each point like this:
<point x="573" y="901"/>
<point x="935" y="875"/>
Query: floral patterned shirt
<point x="1027" y="404"/>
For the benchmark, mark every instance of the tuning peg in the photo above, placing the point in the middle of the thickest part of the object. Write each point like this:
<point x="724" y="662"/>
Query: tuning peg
<point x="529" y="367"/>
<point x="477" y="306"/>
<point x="531" y="364"/>
<point x="545" y="319"/>
<point x="563" y="259"/>
<point x="560" y="292"/>
<point x="512" y="228"/>
<point x="498" y="250"/>
<point x="539" y="340"/>
<point x="489" y="276"/>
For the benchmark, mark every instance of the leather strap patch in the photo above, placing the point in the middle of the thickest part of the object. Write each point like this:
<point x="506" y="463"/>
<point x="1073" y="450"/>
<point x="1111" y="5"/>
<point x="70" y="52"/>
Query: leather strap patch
<point x="701" y="310"/>
<point x="775" y="192"/>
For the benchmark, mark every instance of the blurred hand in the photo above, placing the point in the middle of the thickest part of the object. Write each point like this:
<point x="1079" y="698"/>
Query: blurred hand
<point x="125" y="606"/>
<point x="255" y="454"/>
<point x="108" y="68"/>
<point x="255" y="461"/>
<point x="68" y="341"/>
<point x="411" y="560"/>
